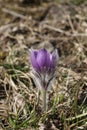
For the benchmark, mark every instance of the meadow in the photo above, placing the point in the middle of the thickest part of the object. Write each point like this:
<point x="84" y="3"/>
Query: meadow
<point x="37" y="24"/>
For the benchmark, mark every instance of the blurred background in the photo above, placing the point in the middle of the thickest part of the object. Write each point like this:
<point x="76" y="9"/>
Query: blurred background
<point x="50" y="24"/>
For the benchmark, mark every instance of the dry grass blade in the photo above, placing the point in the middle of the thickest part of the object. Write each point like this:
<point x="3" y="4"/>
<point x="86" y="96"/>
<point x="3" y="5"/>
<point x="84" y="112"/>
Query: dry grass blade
<point x="50" y="25"/>
<point x="13" y="13"/>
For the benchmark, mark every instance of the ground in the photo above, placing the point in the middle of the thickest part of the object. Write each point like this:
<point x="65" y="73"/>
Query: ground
<point x="50" y="24"/>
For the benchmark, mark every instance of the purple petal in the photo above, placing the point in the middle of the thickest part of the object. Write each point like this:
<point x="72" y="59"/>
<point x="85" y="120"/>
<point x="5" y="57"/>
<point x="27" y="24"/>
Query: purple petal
<point x="43" y="58"/>
<point x="54" y="58"/>
<point x="33" y="59"/>
<point x="48" y="61"/>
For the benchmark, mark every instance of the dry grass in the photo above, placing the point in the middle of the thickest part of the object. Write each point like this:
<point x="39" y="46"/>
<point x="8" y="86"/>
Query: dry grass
<point x="62" y="26"/>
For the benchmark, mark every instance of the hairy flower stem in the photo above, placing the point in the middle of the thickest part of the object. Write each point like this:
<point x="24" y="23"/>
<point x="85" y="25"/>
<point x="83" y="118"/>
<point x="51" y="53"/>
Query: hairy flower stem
<point x="44" y="98"/>
<point x="38" y="97"/>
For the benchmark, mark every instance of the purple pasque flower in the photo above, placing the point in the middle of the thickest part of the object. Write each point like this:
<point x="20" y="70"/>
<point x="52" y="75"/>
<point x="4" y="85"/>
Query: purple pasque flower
<point x="44" y="66"/>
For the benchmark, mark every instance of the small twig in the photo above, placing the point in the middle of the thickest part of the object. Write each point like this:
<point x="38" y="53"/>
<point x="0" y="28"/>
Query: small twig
<point x="79" y="34"/>
<point x="55" y="29"/>
<point x="13" y="13"/>
<point x="63" y="32"/>
<point x="4" y="27"/>
<point x="75" y="124"/>
<point x="71" y="24"/>
<point x="77" y="117"/>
